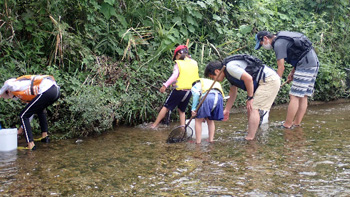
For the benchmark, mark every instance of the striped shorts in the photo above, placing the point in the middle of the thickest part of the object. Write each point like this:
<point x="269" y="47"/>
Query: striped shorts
<point x="305" y="76"/>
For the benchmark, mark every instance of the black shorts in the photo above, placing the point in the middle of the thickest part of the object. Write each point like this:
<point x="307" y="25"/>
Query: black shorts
<point x="179" y="98"/>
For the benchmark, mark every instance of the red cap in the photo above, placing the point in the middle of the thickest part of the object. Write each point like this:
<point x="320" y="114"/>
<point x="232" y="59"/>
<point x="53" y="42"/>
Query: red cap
<point x="178" y="49"/>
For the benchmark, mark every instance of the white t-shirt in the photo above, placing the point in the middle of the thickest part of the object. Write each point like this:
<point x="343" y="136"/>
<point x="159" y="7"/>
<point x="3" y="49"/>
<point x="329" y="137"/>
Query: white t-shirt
<point x="237" y="67"/>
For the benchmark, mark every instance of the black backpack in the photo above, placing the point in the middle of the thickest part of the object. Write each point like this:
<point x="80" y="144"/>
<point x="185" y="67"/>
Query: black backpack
<point x="301" y="44"/>
<point x="255" y="68"/>
<point x="255" y="65"/>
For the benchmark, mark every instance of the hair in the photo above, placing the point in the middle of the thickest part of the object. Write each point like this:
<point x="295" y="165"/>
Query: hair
<point x="270" y="35"/>
<point x="211" y="67"/>
<point x="184" y="53"/>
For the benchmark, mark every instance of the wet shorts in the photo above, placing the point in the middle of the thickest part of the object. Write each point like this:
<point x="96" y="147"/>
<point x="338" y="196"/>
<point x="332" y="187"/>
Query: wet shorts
<point x="212" y="107"/>
<point x="305" y="76"/>
<point x="179" y="99"/>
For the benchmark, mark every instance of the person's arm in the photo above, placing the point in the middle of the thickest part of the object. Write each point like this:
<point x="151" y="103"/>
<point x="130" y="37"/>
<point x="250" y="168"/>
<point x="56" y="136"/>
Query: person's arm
<point x="171" y="79"/>
<point x="196" y="92"/>
<point x="280" y="67"/>
<point x="248" y="82"/>
<point x="291" y="74"/>
<point x="230" y="101"/>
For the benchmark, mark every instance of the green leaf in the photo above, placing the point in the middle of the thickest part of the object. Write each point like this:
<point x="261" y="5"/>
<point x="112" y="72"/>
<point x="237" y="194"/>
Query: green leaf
<point x="110" y="2"/>
<point x="191" y="29"/>
<point x="177" y="20"/>
<point x="106" y="10"/>
<point x="216" y="17"/>
<point x="122" y="20"/>
<point x="190" y="20"/>
<point x="197" y="14"/>
<point x="244" y="29"/>
<point x="202" y="4"/>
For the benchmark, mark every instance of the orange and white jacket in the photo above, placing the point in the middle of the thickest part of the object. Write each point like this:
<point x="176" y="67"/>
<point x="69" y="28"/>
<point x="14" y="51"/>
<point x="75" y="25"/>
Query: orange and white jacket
<point x="27" y="87"/>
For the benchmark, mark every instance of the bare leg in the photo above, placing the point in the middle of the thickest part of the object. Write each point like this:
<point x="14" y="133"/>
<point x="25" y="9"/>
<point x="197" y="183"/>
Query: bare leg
<point x="31" y="145"/>
<point x="43" y="134"/>
<point x="253" y="124"/>
<point x="211" y="130"/>
<point x="198" y="128"/>
<point x="182" y="117"/>
<point x="292" y="110"/>
<point x="19" y="131"/>
<point x="160" y="116"/>
<point x="301" y="110"/>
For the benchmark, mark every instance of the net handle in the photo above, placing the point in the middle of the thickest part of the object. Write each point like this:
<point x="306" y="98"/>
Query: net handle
<point x="205" y="96"/>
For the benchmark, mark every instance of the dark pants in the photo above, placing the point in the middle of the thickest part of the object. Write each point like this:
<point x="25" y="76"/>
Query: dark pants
<point x="37" y="106"/>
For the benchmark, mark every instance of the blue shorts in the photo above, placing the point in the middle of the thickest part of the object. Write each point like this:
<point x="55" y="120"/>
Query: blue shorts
<point x="208" y="110"/>
<point x="179" y="99"/>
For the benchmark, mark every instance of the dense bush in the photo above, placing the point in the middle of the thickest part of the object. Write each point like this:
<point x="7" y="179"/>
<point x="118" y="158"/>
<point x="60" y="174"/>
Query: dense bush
<point x="110" y="57"/>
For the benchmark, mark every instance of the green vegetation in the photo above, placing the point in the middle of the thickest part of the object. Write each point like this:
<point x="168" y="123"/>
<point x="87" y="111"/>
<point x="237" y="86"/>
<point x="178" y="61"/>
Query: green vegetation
<point x="110" y="57"/>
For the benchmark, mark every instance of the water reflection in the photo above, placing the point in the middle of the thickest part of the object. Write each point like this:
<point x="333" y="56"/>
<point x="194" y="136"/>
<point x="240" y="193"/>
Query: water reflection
<point x="312" y="160"/>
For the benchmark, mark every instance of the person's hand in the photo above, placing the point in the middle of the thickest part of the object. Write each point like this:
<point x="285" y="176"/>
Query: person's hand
<point x="249" y="105"/>
<point x="290" y="77"/>
<point x="194" y="113"/>
<point x="226" y="115"/>
<point x="162" y="89"/>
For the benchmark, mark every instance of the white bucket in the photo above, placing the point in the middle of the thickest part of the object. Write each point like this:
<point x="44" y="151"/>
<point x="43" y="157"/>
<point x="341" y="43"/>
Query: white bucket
<point x="205" y="133"/>
<point x="8" y="139"/>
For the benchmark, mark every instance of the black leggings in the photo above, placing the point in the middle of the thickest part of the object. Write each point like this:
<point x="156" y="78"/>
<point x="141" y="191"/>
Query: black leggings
<point x="37" y="106"/>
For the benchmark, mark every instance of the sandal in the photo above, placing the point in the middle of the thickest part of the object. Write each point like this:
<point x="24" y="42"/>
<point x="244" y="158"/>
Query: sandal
<point x="26" y="148"/>
<point x="42" y="139"/>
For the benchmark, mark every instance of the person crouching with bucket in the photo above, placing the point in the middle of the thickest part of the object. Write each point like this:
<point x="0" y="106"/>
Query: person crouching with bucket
<point x="39" y="91"/>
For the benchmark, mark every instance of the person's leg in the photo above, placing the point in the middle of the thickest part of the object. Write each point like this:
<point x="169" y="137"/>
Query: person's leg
<point x="301" y="110"/>
<point x="160" y="116"/>
<point x="182" y="117"/>
<point x="48" y="98"/>
<point x="33" y="107"/>
<point x="198" y="128"/>
<point x="291" y="111"/>
<point x="253" y="124"/>
<point x="211" y="130"/>
<point x="43" y="123"/>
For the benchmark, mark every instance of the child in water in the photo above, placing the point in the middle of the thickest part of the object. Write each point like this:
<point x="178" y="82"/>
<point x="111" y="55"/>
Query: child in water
<point x="211" y="108"/>
<point x="184" y="74"/>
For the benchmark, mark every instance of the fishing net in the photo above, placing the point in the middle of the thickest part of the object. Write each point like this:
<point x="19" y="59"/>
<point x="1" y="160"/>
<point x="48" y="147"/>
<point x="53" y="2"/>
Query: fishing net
<point x="180" y="134"/>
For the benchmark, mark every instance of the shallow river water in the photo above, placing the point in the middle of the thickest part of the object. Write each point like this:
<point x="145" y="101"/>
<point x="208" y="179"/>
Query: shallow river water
<point x="312" y="160"/>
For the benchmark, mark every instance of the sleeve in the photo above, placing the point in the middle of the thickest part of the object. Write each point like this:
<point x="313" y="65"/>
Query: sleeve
<point x="9" y="85"/>
<point x="173" y="77"/>
<point x="280" y="48"/>
<point x="3" y="89"/>
<point x="234" y="68"/>
<point x="196" y="92"/>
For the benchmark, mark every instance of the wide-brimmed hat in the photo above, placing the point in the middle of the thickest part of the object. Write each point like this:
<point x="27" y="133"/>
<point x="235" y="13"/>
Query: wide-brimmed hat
<point x="180" y="47"/>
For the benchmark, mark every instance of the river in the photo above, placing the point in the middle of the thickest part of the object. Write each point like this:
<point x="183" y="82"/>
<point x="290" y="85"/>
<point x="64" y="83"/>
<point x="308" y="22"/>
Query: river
<point x="312" y="160"/>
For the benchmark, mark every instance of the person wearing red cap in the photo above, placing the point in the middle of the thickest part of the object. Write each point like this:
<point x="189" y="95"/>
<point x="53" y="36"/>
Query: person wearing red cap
<point x="184" y="74"/>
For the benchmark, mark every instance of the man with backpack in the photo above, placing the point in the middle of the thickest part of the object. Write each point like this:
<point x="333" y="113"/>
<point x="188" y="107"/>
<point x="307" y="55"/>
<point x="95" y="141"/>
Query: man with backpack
<point x="295" y="49"/>
<point x="260" y="82"/>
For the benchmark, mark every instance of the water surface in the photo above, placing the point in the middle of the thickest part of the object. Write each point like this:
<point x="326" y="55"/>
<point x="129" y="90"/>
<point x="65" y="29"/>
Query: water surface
<point x="312" y="160"/>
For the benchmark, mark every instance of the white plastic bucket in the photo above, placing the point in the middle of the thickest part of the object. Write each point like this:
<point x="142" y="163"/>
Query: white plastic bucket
<point x="205" y="133"/>
<point x="8" y="139"/>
